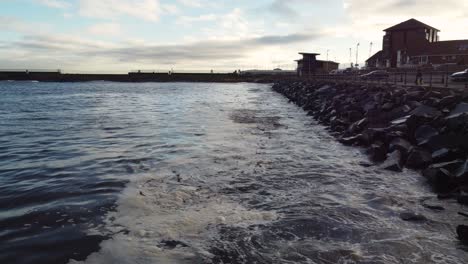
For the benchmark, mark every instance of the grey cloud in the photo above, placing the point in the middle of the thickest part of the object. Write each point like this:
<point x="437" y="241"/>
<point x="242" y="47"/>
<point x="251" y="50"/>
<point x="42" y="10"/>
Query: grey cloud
<point x="163" y="54"/>
<point x="293" y="38"/>
<point x="283" y="8"/>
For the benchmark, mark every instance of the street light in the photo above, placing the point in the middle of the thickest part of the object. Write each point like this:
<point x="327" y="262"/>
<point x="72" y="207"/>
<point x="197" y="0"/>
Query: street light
<point x="326" y="67"/>
<point x="357" y="54"/>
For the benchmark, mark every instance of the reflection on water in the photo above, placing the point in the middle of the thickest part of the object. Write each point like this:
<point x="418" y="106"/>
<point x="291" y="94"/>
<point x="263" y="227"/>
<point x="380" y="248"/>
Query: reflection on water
<point x="198" y="173"/>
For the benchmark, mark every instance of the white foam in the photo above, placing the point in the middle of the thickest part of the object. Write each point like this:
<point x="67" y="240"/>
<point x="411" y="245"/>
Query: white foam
<point x="154" y="209"/>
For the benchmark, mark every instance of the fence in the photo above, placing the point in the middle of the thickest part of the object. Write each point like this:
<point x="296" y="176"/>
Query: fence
<point x="429" y="79"/>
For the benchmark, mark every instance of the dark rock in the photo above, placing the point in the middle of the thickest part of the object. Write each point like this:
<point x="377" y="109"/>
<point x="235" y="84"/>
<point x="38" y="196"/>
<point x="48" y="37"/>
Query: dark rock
<point x="426" y="111"/>
<point x="387" y="106"/>
<point x="348" y="141"/>
<point x="445" y="196"/>
<point x="448" y="100"/>
<point x="462" y="232"/>
<point x="462" y="171"/>
<point x="171" y="244"/>
<point x="434" y="207"/>
<point x="354" y="116"/>
<point x="393" y="162"/>
<point x="442" y="154"/>
<point x="411" y="216"/>
<point x="424" y="133"/>
<point x="462" y="199"/>
<point x="378" y="151"/>
<point x="463" y="214"/>
<point x="459" y="110"/>
<point x="441" y="179"/>
<point x="418" y="158"/>
<point x="450" y="141"/>
<point x="402" y="145"/>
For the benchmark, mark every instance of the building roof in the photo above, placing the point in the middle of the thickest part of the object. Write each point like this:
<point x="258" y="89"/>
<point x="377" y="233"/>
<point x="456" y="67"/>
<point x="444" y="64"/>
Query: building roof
<point x="409" y="24"/>
<point x="329" y="62"/>
<point x="451" y="47"/>
<point x="377" y="55"/>
<point x="305" y="53"/>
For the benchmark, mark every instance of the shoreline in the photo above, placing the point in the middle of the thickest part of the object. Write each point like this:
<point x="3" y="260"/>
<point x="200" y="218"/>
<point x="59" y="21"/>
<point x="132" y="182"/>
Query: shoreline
<point x="417" y="128"/>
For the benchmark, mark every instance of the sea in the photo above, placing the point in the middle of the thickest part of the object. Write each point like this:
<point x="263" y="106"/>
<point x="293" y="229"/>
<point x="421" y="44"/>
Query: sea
<point x="103" y="172"/>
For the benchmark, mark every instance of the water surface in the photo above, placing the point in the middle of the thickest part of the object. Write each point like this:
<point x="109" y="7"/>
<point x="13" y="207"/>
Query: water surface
<point x="198" y="173"/>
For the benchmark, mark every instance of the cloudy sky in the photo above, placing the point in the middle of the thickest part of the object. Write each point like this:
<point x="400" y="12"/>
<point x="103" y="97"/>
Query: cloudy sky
<point x="199" y="35"/>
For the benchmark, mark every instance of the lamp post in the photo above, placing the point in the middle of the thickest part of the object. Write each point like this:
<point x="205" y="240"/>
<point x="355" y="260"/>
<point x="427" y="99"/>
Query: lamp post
<point x="326" y="67"/>
<point x="351" y="56"/>
<point x="357" y="54"/>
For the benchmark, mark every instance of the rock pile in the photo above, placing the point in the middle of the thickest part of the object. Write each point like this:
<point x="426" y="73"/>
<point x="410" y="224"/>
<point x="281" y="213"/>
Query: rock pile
<point x="411" y="127"/>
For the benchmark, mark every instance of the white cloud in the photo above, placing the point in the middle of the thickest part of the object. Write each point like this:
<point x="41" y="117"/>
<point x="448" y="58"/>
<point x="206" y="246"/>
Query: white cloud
<point x="368" y="20"/>
<point x="55" y="3"/>
<point x="189" y="20"/>
<point x="191" y="3"/>
<point x="149" y="10"/>
<point x="105" y="29"/>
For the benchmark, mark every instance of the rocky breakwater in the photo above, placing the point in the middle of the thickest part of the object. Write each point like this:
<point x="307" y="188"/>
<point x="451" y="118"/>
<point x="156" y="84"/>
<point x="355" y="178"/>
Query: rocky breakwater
<point x="413" y="127"/>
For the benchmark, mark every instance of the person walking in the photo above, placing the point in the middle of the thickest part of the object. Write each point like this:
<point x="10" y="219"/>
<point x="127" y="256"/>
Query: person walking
<point x="419" y="77"/>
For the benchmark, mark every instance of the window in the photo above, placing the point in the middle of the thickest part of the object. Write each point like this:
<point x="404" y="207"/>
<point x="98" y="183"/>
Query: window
<point x="444" y="57"/>
<point x="454" y="57"/>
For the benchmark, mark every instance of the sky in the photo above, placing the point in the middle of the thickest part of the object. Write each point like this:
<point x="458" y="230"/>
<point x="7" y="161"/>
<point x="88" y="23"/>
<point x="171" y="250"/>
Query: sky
<point x="202" y="35"/>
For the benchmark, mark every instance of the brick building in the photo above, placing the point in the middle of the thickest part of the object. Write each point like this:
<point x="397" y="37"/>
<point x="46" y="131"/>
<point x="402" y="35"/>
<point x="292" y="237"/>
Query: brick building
<point x="413" y="43"/>
<point x="309" y="65"/>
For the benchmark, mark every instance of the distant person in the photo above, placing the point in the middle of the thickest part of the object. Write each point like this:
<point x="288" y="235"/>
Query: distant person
<point x="419" y="77"/>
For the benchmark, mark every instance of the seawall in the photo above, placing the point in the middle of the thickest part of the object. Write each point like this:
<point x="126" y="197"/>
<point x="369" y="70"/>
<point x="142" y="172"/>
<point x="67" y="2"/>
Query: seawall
<point x="136" y="77"/>
<point x="413" y="127"/>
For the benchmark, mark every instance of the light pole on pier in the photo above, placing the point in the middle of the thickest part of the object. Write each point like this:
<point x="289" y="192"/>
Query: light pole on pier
<point x="326" y="67"/>
<point x="357" y="54"/>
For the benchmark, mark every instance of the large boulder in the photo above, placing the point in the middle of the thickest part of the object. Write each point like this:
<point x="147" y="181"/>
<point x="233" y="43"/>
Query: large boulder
<point x="462" y="173"/>
<point x="378" y="151"/>
<point x="440" y="176"/>
<point x="393" y="162"/>
<point x="462" y="232"/>
<point x="424" y="133"/>
<point x="402" y="145"/>
<point x="418" y="158"/>
<point x="426" y="112"/>
<point x="460" y="109"/>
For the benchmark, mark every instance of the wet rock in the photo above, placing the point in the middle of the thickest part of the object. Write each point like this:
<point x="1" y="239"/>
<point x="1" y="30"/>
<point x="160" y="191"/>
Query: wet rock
<point x="426" y="112"/>
<point x="412" y="217"/>
<point x="441" y="179"/>
<point x="448" y="100"/>
<point x="404" y="146"/>
<point x="171" y="244"/>
<point x="462" y="232"/>
<point x="463" y="199"/>
<point x="459" y="110"/>
<point x="348" y="141"/>
<point x="378" y="151"/>
<point x="462" y="171"/>
<point x="418" y="158"/>
<point x="387" y="106"/>
<point x="441" y="154"/>
<point x="434" y="207"/>
<point x="424" y="133"/>
<point x="450" y="141"/>
<point x="393" y="162"/>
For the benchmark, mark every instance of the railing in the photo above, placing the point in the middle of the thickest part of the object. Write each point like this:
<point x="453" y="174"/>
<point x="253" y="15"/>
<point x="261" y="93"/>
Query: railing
<point x="30" y="70"/>
<point x="429" y="79"/>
